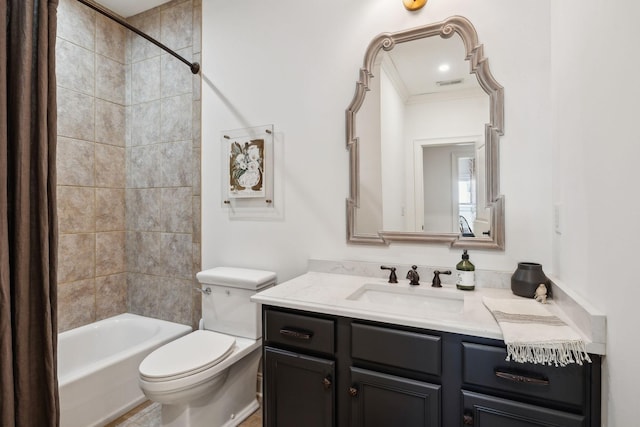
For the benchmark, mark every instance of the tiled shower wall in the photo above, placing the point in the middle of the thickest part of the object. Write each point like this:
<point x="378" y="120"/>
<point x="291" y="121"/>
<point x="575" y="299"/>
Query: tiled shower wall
<point x="128" y="165"/>
<point x="163" y="165"/>
<point x="92" y="282"/>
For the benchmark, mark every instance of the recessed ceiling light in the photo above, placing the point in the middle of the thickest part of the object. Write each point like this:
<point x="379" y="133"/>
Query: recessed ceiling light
<point x="444" y="68"/>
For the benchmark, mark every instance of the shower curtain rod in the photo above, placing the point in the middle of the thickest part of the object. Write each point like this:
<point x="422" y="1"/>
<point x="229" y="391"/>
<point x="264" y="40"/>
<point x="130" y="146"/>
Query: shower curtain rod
<point x="195" y="67"/>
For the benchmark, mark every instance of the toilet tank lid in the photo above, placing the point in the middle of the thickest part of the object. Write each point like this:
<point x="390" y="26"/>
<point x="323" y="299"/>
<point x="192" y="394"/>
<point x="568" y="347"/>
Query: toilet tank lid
<point x="237" y="277"/>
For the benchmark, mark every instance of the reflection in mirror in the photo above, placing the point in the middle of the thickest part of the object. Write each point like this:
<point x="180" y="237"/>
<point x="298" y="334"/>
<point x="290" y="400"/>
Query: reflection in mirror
<point x="422" y="131"/>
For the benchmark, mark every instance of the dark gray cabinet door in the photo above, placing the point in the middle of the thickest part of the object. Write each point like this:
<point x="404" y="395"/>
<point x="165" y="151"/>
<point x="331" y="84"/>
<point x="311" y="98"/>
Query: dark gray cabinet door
<point x="381" y="400"/>
<point x="300" y="390"/>
<point x="487" y="411"/>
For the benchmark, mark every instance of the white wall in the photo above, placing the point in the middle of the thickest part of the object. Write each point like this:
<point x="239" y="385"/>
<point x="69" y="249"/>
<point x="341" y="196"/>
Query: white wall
<point x="595" y="96"/>
<point x="295" y="64"/>
<point x="571" y="94"/>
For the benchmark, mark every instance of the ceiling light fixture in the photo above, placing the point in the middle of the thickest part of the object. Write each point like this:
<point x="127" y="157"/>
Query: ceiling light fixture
<point x="414" y="4"/>
<point x="444" y="68"/>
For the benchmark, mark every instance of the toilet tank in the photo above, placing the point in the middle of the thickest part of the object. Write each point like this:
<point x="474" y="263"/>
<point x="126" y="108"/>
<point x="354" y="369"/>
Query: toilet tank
<point x="228" y="308"/>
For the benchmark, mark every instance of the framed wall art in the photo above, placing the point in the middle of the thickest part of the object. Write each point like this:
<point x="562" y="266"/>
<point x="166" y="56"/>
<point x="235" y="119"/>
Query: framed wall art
<point x="248" y="170"/>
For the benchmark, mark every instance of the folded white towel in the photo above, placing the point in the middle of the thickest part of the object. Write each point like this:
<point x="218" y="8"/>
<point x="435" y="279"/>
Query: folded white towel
<point x="534" y="335"/>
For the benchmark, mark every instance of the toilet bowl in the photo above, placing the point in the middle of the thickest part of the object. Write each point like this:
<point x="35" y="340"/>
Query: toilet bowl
<point x="209" y="377"/>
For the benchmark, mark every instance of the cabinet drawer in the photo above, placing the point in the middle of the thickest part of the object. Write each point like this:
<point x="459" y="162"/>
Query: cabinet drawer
<point x="393" y="347"/>
<point x="488" y="411"/>
<point x="485" y="366"/>
<point x="300" y="331"/>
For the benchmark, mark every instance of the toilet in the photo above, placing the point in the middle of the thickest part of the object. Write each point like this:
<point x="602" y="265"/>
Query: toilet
<point x="208" y="377"/>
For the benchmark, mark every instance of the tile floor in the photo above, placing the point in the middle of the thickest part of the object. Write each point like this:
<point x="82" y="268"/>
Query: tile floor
<point x="148" y="415"/>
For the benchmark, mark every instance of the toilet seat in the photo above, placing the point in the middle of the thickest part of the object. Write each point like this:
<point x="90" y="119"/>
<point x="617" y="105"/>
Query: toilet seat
<point x="186" y="356"/>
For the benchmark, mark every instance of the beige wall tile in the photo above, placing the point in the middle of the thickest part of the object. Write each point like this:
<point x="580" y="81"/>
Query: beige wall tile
<point x="111" y="295"/>
<point x="196" y="123"/>
<point x="75" y="115"/>
<point x="176" y="255"/>
<point x="197" y="215"/>
<point x="197" y="259"/>
<point x="75" y="162"/>
<point x="176" y="211"/>
<point x="110" y="39"/>
<point x="145" y="80"/>
<point x="176" y="24"/>
<point x="144" y="253"/>
<point x="110" y="209"/>
<point x="177" y="79"/>
<point x="176" y="301"/>
<point x="148" y="22"/>
<point x="144" y="209"/>
<point x="110" y="166"/>
<point x="110" y="252"/>
<point x="176" y="118"/>
<point x="76" y="259"/>
<point x="76" y="304"/>
<point x="75" y="67"/>
<point x="76" y="209"/>
<point x="196" y="308"/>
<point x="145" y="123"/>
<point x="176" y="163"/>
<point x="144" y="167"/>
<point x="110" y="123"/>
<point x="197" y="26"/>
<point x="76" y="23"/>
<point x="143" y="294"/>
<point x="110" y="80"/>
<point x="196" y="171"/>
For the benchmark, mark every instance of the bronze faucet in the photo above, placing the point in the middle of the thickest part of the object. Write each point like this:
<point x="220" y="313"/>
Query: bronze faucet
<point x="413" y="276"/>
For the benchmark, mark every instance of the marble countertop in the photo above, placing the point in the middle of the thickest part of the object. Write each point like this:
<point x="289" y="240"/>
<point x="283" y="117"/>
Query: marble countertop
<point x="329" y="293"/>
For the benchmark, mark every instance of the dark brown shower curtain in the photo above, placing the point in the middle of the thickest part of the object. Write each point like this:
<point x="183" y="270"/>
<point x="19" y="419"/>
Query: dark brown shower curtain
<point x="28" y="224"/>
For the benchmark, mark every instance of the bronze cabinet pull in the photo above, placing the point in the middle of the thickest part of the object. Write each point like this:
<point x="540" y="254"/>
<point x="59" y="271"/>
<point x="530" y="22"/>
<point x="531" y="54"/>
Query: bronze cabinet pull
<point x="353" y="392"/>
<point x="297" y="334"/>
<point x="521" y="378"/>
<point x="467" y="418"/>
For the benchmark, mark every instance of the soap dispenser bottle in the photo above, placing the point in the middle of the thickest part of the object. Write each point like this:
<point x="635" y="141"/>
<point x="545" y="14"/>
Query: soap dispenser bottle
<point x="465" y="273"/>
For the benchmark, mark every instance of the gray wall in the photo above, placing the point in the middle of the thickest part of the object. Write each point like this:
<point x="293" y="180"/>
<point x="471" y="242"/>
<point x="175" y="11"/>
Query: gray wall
<point x="128" y="165"/>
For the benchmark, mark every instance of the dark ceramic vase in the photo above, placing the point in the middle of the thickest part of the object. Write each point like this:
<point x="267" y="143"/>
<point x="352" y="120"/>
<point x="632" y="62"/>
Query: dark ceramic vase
<point x="526" y="279"/>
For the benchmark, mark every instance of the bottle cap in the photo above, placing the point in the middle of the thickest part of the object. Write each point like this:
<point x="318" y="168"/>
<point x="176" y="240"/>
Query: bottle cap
<point x="465" y="255"/>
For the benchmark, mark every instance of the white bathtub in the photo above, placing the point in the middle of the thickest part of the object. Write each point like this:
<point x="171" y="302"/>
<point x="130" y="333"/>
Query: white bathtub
<point x="98" y="366"/>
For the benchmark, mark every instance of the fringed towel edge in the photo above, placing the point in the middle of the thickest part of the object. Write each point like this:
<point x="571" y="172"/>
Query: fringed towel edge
<point x="558" y="354"/>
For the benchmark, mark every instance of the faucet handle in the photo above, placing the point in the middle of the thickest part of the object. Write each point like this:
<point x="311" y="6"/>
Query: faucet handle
<point x="436" y="278"/>
<point x="392" y="275"/>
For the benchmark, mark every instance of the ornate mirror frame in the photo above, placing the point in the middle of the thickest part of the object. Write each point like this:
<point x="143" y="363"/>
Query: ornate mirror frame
<point x="480" y="67"/>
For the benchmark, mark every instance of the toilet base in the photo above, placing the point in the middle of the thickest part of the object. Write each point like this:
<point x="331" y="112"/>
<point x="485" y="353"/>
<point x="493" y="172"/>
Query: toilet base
<point x="227" y="406"/>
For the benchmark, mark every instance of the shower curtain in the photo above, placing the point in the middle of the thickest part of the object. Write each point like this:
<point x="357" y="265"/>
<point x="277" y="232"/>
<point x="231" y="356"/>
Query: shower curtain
<point x="28" y="224"/>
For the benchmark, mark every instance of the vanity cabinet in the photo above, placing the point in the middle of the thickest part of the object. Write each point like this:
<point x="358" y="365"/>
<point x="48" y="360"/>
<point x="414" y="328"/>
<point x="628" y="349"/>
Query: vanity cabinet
<point x="300" y="373"/>
<point x="300" y="389"/>
<point x="323" y="370"/>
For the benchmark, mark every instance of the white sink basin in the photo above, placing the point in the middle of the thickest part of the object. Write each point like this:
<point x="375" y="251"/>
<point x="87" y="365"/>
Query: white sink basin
<point x="400" y="299"/>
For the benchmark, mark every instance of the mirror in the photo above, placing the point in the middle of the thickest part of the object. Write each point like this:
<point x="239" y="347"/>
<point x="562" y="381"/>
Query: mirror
<point x="423" y="138"/>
